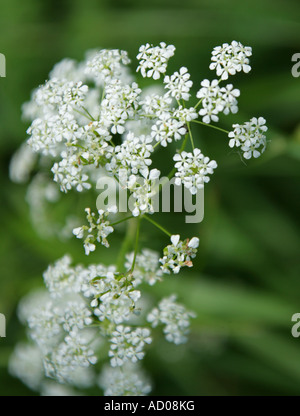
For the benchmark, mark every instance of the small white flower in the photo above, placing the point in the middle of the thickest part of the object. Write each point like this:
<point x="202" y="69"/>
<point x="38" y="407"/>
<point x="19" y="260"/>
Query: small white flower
<point x="127" y="345"/>
<point x="174" y="317"/>
<point x="97" y="230"/>
<point x="193" y="169"/>
<point x="107" y="65"/>
<point x="175" y="239"/>
<point x="126" y="381"/>
<point x="179" y="254"/>
<point x="166" y="129"/>
<point x="215" y="100"/>
<point x="146" y="267"/>
<point x="143" y="189"/>
<point x="154" y="59"/>
<point x="185" y="115"/>
<point x="249" y="137"/>
<point x="194" y="242"/>
<point x="179" y="84"/>
<point x="229" y="59"/>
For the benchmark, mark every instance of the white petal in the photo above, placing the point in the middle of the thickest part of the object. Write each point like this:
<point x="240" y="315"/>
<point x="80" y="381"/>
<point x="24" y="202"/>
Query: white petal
<point x="194" y="243"/>
<point x="175" y="239"/>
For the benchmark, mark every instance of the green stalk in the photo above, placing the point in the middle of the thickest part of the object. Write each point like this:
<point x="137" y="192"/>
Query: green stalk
<point x="210" y="125"/>
<point x="136" y="243"/>
<point x="122" y="220"/>
<point x="157" y="225"/>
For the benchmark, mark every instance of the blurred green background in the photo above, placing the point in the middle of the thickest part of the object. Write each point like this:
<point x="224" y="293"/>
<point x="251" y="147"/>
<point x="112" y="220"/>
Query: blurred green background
<point x="246" y="282"/>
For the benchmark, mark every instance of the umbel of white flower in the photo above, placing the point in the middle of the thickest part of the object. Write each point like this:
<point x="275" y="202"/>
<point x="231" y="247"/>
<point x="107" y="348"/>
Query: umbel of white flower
<point x="179" y="254"/>
<point x="130" y="380"/>
<point x="91" y="120"/>
<point x="154" y="59"/>
<point x="75" y="125"/>
<point x="63" y="325"/>
<point x="97" y="230"/>
<point x="174" y="317"/>
<point x="229" y="59"/>
<point x="193" y="170"/>
<point x="216" y="100"/>
<point x="249" y="137"/>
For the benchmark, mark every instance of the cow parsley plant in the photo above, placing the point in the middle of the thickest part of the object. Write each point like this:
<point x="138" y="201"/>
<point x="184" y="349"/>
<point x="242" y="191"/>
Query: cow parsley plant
<point x="92" y="325"/>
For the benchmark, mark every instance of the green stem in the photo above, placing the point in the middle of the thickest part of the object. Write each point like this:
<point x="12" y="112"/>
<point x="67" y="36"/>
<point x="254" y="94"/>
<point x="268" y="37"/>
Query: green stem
<point x="171" y="174"/>
<point x="136" y="243"/>
<point x="90" y="116"/>
<point x="148" y="115"/>
<point x="157" y="225"/>
<point x="82" y="114"/>
<point x="210" y="125"/>
<point x="156" y="144"/>
<point x="122" y="220"/>
<point x="198" y="103"/>
<point x="191" y="136"/>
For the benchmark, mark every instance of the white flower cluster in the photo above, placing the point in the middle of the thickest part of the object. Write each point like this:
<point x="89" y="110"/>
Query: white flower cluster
<point x="249" y="137"/>
<point x="26" y="363"/>
<point x="154" y="104"/>
<point x="167" y="128"/>
<point x="179" y="254"/>
<point x="61" y="279"/>
<point x="140" y="150"/>
<point x="143" y="190"/>
<point x="128" y="381"/>
<point x="146" y="267"/>
<point x="42" y="195"/>
<point x="22" y="163"/>
<point x="107" y="65"/>
<point x="120" y="104"/>
<point x="229" y="59"/>
<point x="154" y="59"/>
<point x="174" y="317"/>
<point x="193" y="170"/>
<point x="73" y="353"/>
<point x="65" y="344"/>
<point x="115" y="297"/>
<point x="60" y="323"/>
<point x="179" y="84"/>
<point x="92" y="119"/>
<point x="216" y="99"/>
<point x="62" y="125"/>
<point x="127" y="345"/>
<point x="97" y="230"/>
<point x="77" y="126"/>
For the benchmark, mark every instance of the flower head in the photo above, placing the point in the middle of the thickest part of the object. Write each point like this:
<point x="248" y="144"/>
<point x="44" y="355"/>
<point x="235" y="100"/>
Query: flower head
<point x="97" y="230"/>
<point x="179" y="84"/>
<point x="193" y="169"/>
<point x="154" y="59"/>
<point x="174" y="317"/>
<point x="229" y="59"/>
<point x="179" y="254"/>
